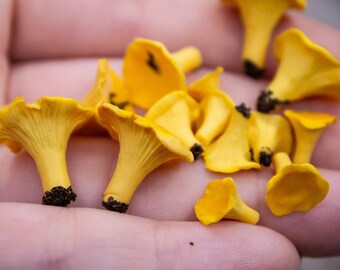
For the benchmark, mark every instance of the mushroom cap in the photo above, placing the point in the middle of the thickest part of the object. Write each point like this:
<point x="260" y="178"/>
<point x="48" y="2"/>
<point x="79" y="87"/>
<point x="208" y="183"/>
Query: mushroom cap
<point x="294" y="37"/>
<point x="295" y="188"/>
<point x="205" y="85"/>
<point x="217" y="201"/>
<point x="150" y="72"/>
<point x="36" y="125"/>
<point x="310" y="120"/>
<point x="116" y="120"/>
<point x="108" y="87"/>
<point x="298" y="4"/>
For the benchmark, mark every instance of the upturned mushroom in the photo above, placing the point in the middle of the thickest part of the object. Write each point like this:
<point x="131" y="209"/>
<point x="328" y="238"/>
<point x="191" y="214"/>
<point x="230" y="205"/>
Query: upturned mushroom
<point x="230" y="152"/>
<point x="294" y="187"/>
<point x="269" y="134"/>
<point x="177" y="113"/>
<point x="307" y="127"/>
<point x="43" y="129"/>
<point x="143" y="147"/>
<point x="108" y="87"/>
<point x="305" y="70"/>
<point x="222" y="201"/>
<point x="150" y="71"/>
<point x="216" y="106"/>
<point x="259" y="19"/>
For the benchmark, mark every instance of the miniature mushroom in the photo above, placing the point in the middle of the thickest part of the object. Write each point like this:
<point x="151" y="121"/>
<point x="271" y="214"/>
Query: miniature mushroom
<point x="230" y="151"/>
<point x="294" y="187"/>
<point x="216" y="106"/>
<point x="308" y="127"/>
<point x="143" y="147"/>
<point x="305" y="70"/>
<point x="221" y="200"/>
<point x="176" y="112"/>
<point x="150" y="71"/>
<point x="108" y="87"/>
<point x="259" y="19"/>
<point x="269" y="134"/>
<point x="43" y="129"/>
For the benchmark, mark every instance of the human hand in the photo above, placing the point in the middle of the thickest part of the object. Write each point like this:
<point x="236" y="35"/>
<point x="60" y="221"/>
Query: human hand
<point x="54" y="47"/>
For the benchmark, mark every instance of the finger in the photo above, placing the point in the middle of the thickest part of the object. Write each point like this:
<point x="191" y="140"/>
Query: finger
<point x="110" y="26"/>
<point x="73" y="78"/>
<point x="5" y="23"/>
<point x="95" y="239"/>
<point x="170" y="192"/>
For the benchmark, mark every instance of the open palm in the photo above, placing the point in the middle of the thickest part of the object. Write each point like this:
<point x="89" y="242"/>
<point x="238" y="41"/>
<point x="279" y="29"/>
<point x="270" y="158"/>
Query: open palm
<point x="50" y="48"/>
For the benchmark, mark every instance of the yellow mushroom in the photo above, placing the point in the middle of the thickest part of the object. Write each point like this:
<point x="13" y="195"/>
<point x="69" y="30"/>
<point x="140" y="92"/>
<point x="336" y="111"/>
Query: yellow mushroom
<point x="305" y="70"/>
<point x="231" y="151"/>
<point x="150" y="71"/>
<point x="259" y="19"/>
<point x="294" y="187"/>
<point x="216" y="106"/>
<point x="308" y="127"/>
<point x="221" y="200"/>
<point x="143" y="147"/>
<point x="108" y="87"/>
<point x="209" y="83"/>
<point x="269" y="134"/>
<point x="177" y="112"/>
<point x="43" y="129"/>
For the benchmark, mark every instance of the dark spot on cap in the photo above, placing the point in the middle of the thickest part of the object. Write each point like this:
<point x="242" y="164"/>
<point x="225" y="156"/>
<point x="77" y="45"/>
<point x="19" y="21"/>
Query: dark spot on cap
<point x="252" y="70"/>
<point x="191" y="243"/>
<point x="152" y="63"/>
<point x="266" y="102"/>
<point x="59" y="196"/>
<point x="120" y="105"/>
<point x="196" y="150"/>
<point x="242" y="108"/>
<point x="251" y="151"/>
<point x="265" y="156"/>
<point x="116" y="206"/>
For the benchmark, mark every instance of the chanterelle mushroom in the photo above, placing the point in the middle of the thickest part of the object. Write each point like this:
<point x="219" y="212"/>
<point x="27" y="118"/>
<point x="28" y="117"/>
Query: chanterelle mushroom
<point x="305" y="70"/>
<point x="269" y="134"/>
<point x="221" y="200"/>
<point x="43" y="129"/>
<point x="150" y="71"/>
<point x="143" y="147"/>
<point x="177" y="112"/>
<point x="294" y="187"/>
<point x="308" y="127"/>
<point x="259" y="19"/>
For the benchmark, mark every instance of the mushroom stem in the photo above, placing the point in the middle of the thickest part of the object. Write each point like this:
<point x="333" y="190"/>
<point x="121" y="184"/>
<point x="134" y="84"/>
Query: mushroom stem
<point x="281" y="160"/>
<point x="187" y="58"/>
<point x="242" y="212"/>
<point x="51" y="164"/>
<point x="304" y="147"/>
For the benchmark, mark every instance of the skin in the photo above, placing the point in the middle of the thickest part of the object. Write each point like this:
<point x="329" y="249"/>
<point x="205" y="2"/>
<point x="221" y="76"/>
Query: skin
<point x="51" y="48"/>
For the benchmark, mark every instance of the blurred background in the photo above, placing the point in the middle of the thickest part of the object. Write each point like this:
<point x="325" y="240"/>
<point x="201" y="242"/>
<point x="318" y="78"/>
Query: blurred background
<point x="327" y="11"/>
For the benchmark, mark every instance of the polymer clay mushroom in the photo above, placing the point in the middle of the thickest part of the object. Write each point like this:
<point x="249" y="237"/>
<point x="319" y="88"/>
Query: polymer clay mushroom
<point x="222" y="201"/>
<point x="259" y="19"/>
<point x="150" y="71"/>
<point x="43" y="129"/>
<point x="305" y="70"/>
<point x="143" y="147"/>
<point x="308" y="127"/>
<point x="230" y="152"/>
<point x="177" y="112"/>
<point x="294" y="187"/>
<point x="216" y="106"/>
<point x="269" y="134"/>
